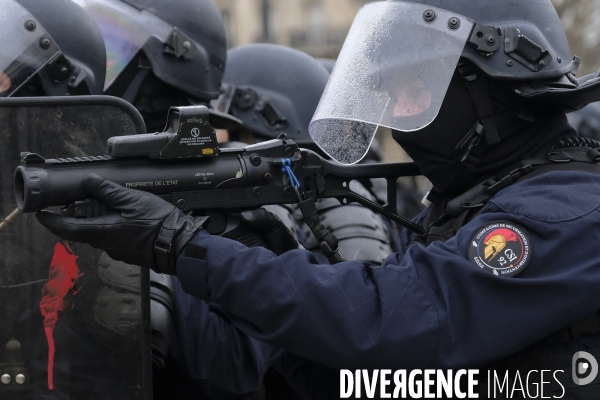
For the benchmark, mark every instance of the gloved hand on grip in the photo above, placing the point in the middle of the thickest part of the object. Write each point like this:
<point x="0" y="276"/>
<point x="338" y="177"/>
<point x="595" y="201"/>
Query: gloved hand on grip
<point x="141" y="228"/>
<point x="278" y="236"/>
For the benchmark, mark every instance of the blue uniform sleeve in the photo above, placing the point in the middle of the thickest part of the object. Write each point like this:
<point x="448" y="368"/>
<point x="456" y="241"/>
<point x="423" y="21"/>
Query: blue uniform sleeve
<point x="428" y="307"/>
<point x="334" y="315"/>
<point x="212" y="353"/>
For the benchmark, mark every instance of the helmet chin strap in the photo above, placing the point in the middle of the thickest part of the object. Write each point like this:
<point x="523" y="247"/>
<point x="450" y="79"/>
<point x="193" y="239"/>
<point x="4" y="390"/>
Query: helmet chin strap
<point x="484" y="134"/>
<point x="477" y="84"/>
<point x="471" y="149"/>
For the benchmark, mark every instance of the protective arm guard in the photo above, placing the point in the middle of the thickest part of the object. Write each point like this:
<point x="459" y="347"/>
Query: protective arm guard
<point x="362" y="234"/>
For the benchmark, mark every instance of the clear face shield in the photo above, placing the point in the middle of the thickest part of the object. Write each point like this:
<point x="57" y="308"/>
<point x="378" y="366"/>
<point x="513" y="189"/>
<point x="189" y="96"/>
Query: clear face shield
<point x="393" y="71"/>
<point x="26" y="48"/>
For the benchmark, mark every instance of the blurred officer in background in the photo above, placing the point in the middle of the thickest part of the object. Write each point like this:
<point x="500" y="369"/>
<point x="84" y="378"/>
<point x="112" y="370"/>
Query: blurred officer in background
<point x="274" y="89"/>
<point x="271" y="89"/>
<point x="161" y="53"/>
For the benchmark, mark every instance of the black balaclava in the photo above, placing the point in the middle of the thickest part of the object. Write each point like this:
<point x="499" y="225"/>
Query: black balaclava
<point x="521" y="130"/>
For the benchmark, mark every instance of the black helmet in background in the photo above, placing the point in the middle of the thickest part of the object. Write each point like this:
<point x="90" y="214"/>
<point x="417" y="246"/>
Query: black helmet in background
<point x="273" y="89"/>
<point x="49" y="49"/>
<point x="161" y="53"/>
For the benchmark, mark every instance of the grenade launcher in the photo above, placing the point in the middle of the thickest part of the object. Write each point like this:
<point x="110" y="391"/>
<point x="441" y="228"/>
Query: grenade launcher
<point x="185" y="166"/>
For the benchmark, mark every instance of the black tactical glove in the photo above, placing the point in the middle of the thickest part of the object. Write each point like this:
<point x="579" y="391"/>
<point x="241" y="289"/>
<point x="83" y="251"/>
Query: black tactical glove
<point x="140" y="229"/>
<point x="278" y="236"/>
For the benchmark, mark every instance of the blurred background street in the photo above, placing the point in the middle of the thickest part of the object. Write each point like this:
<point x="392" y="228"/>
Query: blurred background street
<point x="319" y="27"/>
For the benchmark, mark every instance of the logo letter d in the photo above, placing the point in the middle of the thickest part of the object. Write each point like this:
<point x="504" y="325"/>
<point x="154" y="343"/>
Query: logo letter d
<point x="591" y="361"/>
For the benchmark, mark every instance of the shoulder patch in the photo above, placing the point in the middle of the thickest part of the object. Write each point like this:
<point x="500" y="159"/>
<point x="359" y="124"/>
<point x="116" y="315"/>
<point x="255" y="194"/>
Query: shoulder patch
<point x="501" y="248"/>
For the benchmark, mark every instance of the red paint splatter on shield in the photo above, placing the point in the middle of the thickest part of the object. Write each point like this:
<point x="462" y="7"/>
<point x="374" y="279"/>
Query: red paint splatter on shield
<point x="62" y="277"/>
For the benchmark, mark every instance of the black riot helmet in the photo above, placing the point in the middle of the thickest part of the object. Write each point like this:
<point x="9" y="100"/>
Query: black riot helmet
<point x="273" y="89"/>
<point x="400" y="56"/>
<point x="527" y="33"/>
<point x="524" y="43"/>
<point x="177" y="43"/>
<point x="44" y="56"/>
<point x="460" y="82"/>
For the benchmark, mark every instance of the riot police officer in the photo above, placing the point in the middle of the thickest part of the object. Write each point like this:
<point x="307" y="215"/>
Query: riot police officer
<point x="505" y="255"/>
<point x="41" y="56"/>
<point x="274" y="89"/>
<point x="161" y="53"/>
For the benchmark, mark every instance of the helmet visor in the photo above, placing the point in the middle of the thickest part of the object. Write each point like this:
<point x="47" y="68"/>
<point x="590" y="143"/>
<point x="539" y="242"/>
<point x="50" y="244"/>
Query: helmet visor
<point x="26" y="46"/>
<point x="394" y="70"/>
<point x="125" y="30"/>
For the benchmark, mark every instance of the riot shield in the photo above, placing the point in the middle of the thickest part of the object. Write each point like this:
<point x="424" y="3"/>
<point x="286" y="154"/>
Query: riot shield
<point x="74" y="324"/>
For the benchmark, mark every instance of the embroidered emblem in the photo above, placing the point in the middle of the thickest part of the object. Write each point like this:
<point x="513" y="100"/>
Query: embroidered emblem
<point x="501" y="248"/>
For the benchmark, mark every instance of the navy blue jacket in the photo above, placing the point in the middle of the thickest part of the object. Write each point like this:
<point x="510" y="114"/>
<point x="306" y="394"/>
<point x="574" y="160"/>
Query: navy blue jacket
<point x="425" y="306"/>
